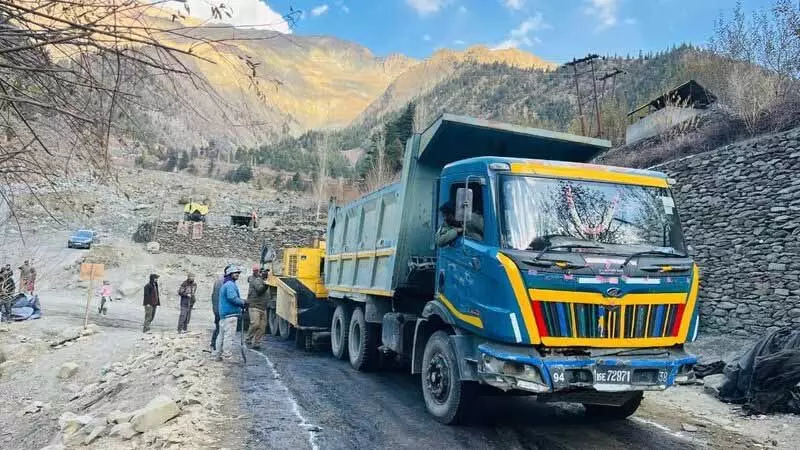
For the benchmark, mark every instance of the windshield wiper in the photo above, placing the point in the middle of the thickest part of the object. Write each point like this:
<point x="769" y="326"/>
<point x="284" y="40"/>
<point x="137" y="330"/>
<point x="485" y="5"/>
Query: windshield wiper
<point x="652" y="252"/>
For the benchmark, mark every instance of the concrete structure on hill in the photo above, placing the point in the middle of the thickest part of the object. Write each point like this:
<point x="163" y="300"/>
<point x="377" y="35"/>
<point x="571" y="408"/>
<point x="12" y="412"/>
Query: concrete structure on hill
<point x="674" y="107"/>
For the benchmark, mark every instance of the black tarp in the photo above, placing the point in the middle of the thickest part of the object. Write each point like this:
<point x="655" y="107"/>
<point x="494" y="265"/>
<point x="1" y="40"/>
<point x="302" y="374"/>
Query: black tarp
<point x="766" y="378"/>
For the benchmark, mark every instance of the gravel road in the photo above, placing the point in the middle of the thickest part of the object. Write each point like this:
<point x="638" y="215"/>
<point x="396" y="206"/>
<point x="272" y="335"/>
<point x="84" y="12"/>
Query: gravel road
<point x="339" y="408"/>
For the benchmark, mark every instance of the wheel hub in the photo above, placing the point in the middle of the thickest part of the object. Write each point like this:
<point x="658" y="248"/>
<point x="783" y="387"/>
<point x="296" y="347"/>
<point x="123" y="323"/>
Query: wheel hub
<point x="438" y="378"/>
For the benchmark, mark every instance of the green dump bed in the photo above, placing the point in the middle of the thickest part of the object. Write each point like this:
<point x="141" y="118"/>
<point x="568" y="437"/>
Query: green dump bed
<point x="377" y="244"/>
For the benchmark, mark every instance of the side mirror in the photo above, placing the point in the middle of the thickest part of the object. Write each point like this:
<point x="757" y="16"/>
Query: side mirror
<point x="463" y="204"/>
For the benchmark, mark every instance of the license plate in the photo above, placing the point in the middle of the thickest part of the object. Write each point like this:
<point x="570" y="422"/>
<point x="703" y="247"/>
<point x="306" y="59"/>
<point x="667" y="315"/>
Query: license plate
<point x="612" y="376"/>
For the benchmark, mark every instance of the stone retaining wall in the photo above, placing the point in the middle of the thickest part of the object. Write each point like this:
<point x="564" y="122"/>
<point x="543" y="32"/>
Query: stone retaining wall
<point x="740" y="208"/>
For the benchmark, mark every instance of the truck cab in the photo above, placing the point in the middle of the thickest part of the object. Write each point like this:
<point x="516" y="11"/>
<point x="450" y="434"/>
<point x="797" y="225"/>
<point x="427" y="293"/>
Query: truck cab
<point x="555" y="263"/>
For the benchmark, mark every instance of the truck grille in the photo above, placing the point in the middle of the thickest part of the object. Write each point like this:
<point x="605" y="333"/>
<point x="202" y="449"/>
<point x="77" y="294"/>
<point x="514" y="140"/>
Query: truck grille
<point x="582" y="320"/>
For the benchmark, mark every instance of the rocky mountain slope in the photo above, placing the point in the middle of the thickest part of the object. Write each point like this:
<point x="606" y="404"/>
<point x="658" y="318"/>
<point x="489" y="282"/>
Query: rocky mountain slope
<point x="257" y="86"/>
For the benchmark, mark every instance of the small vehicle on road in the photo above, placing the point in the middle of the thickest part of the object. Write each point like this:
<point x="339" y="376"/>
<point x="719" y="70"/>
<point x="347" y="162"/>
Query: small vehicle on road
<point x="82" y="239"/>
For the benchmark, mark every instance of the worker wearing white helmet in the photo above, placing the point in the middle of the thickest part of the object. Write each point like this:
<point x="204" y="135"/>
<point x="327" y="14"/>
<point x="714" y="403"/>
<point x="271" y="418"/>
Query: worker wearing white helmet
<point x="230" y="308"/>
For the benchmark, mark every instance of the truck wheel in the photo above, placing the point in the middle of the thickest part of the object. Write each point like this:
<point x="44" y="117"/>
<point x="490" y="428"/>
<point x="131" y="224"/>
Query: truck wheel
<point x="340" y="327"/>
<point x="285" y="329"/>
<point x="272" y="321"/>
<point x="446" y="396"/>
<point x="607" y="412"/>
<point x="362" y="342"/>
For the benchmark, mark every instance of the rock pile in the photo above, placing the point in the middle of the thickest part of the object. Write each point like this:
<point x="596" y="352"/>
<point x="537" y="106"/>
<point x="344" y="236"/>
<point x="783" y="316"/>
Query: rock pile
<point x="740" y="209"/>
<point x="179" y="412"/>
<point x="238" y="242"/>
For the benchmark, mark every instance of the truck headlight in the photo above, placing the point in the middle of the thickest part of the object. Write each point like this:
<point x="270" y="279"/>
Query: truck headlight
<point x="513" y="369"/>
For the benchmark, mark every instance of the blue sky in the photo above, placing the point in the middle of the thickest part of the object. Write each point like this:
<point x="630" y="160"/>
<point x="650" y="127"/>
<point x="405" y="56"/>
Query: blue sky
<point x="557" y="30"/>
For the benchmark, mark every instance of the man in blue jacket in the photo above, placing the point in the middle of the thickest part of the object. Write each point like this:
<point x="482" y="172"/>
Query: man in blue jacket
<point x="230" y="308"/>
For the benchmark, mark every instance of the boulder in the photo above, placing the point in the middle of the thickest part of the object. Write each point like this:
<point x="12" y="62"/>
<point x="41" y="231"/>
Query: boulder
<point x="124" y="430"/>
<point x="67" y="370"/>
<point x="153" y="247"/>
<point x="157" y="412"/>
<point x="712" y="384"/>
<point x="117" y="417"/>
<point x="97" y="431"/>
<point x="70" y="422"/>
<point x="130" y="288"/>
<point x="7" y="366"/>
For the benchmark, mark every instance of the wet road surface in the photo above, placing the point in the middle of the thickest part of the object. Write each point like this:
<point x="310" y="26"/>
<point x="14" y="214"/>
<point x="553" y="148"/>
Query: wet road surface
<point x="299" y="399"/>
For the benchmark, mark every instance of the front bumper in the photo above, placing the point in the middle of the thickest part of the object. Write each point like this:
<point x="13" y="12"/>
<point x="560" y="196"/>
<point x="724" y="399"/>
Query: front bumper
<point x="518" y="368"/>
<point x="74" y="244"/>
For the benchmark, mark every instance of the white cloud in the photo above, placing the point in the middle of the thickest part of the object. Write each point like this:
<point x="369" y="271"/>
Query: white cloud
<point x="605" y="11"/>
<point x="514" y="4"/>
<point x="319" y="10"/>
<point x="631" y="21"/>
<point x="244" y="14"/>
<point x="459" y="42"/>
<point x="346" y="9"/>
<point x="462" y="9"/>
<point x="426" y="7"/>
<point x="523" y="34"/>
<point x="426" y="38"/>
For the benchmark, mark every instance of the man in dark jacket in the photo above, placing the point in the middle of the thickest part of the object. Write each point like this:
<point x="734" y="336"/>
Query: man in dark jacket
<point x="186" y="292"/>
<point x="215" y="307"/>
<point x="7" y="289"/>
<point x="257" y="298"/>
<point x="151" y="301"/>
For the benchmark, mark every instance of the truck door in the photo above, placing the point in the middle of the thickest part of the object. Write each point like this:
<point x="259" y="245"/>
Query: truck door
<point x="460" y="278"/>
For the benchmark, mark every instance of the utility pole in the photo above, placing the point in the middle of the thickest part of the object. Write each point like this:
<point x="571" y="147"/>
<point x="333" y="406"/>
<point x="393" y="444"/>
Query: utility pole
<point x="613" y="76"/>
<point x="575" y="63"/>
<point x="578" y="95"/>
<point x="596" y="103"/>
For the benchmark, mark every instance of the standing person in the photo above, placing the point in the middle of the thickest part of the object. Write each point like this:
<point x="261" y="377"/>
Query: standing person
<point x="215" y="307"/>
<point x="105" y="296"/>
<point x="230" y="308"/>
<point x="257" y="298"/>
<point x="24" y="276"/>
<point x="31" y="280"/>
<point x="186" y="291"/>
<point x="151" y="301"/>
<point x="7" y="288"/>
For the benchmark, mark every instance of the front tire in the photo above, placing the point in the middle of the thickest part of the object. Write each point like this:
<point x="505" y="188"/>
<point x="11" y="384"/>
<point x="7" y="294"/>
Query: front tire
<point x="340" y="327"/>
<point x="607" y="412"/>
<point x="446" y="396"/>
<point x="362" y="342"/>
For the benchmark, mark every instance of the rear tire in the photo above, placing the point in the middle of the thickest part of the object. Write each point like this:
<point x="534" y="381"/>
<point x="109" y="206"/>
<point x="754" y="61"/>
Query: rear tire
<point x="340" y="328"/>
<point x="446" y="396"/>
<point x="272" y="322"/>
<point x="285" y="329"/>
<point x="362" y="342"/>
<point x="606" y="412"/>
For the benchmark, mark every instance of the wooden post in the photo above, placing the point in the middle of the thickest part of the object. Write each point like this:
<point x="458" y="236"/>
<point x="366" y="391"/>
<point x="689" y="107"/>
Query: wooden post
<point x="90" y="272"/>
<point x="88" y="302"/>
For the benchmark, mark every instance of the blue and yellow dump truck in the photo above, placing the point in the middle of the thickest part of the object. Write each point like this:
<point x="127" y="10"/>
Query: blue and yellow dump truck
<point x="501" y="259"/>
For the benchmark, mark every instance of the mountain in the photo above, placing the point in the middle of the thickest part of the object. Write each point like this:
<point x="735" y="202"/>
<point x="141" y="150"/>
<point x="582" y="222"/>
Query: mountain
<point x="542" y="97"/>
<point x="422" y="77"/>
<point x="260" y="86"/>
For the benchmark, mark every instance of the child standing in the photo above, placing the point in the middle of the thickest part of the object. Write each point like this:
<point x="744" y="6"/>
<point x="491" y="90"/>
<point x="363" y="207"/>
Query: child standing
<point x="105" y="295"/>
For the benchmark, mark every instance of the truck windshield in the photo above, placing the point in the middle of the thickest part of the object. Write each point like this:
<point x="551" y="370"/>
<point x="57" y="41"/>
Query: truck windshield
<point x="622" y="218"/>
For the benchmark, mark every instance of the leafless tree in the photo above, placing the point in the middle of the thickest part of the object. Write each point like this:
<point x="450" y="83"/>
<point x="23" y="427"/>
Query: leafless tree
<point x="763" y="66"/>
<point x="379" y="174"/>
<point x="70" y="70"/>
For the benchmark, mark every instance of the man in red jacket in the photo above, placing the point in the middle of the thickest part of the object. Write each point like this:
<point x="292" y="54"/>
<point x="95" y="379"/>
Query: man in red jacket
<point x="151" y="301"/>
